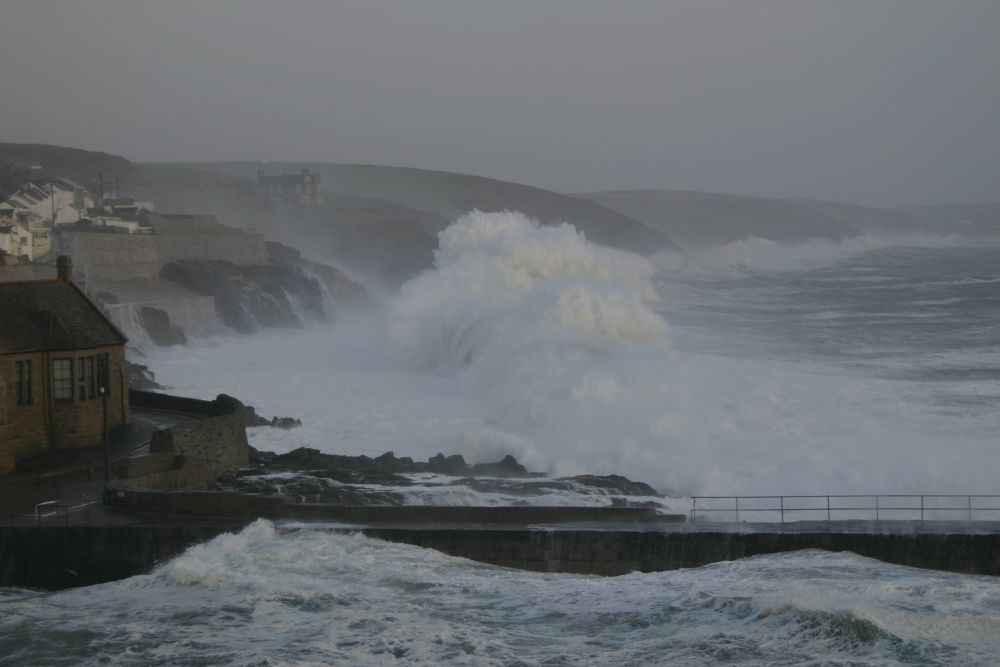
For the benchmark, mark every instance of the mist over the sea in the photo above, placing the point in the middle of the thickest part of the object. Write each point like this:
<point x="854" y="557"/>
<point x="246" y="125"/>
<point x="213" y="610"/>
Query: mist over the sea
<point x="865" y="366"/>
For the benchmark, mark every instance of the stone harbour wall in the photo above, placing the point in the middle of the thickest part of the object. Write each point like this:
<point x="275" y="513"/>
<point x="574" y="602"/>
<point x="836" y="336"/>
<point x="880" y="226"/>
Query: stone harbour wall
<point x="61" y="557"/>
<point x="127" y="256"/>
<point x="191" y="455"/>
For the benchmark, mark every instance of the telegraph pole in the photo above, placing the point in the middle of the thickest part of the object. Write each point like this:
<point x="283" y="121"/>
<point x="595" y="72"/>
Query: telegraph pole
<point x="107" y="448"/>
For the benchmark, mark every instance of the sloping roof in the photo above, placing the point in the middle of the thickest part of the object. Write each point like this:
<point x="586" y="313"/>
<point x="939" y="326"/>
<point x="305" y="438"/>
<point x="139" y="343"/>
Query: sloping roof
<point x="41" y="315"/>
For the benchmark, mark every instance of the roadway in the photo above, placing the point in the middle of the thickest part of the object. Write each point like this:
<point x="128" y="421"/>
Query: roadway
<point x="79" y="485"/>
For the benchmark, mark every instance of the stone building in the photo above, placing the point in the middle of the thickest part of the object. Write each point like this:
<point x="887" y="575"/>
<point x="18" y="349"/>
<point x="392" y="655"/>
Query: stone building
<point x="62" y="369"/>
<point x="291" y="189"/>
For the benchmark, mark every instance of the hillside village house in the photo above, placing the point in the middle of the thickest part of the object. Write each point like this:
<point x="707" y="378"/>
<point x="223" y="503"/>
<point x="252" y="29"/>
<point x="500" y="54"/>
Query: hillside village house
<point x="58" y="202"/>
<point x="291" y="189"/>
<point x="15" y="239"/>
<point x="28" y="215"/>
<point x="61" y="361"/>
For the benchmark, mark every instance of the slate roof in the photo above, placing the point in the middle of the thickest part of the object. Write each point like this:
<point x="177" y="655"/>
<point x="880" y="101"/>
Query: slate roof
<point x="42" y="315"/>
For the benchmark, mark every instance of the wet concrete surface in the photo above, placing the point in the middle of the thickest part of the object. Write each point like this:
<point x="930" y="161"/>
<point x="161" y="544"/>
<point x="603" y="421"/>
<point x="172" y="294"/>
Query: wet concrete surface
<point x="79" y="486"/>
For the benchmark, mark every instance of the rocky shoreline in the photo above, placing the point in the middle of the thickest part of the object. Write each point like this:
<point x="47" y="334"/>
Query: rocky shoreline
<point x="312" y="476"/>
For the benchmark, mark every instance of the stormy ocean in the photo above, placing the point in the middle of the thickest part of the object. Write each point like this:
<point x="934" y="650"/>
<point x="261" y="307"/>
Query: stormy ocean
<point x="866" y="366"/>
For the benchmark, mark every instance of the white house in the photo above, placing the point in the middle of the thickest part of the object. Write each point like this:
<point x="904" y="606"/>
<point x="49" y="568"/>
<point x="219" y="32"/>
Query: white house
<point x="59" y="202"/>
<point x="15" y="239"/>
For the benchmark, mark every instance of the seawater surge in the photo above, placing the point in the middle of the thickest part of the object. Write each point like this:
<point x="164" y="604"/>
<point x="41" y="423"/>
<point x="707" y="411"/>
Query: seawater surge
<point x="304" y="597"/>
<point x="860" y="367"/>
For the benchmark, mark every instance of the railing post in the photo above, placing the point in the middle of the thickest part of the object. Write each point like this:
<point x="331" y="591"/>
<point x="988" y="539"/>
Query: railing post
<point x="781" y="501"/>
<point x="921" y="509"/>
<point x="876" y="508"/>
<point x="969" y="501"/>
<point x="737" y="499"/>
<point x="828" y="508"/>
<point x="694" y="508"/>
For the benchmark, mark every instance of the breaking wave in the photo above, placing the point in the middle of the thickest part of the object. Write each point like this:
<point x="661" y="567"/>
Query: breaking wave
<point x="528" y="340"/>
<point x="306" y="597"/>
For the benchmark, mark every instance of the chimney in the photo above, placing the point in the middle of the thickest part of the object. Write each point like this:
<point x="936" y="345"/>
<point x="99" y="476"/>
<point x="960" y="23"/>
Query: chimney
<point x="64" y="268"/>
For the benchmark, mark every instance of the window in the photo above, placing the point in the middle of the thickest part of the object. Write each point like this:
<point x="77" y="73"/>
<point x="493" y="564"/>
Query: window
<point x="86" y="382"/>
<point x="62" y="379"/>
<point x="103" y="374"/>
<point x="22" y="382"/>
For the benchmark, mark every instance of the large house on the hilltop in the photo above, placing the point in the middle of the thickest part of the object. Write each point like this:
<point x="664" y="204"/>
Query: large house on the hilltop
<point x="58" y="202"/>
<point x="61" y="361"/>
<point x="291" y="189"/>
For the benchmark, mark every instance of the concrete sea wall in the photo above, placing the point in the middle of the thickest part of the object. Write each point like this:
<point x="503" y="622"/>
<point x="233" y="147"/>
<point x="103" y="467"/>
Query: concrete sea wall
<point x="64" y="557"/>
<point x="59" y="557"/>
<point x="129" y="256"/>
<point x="621" y="552"/>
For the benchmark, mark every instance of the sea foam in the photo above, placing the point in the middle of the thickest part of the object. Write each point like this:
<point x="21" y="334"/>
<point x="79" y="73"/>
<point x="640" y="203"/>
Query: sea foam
<point x="528" y="340"/>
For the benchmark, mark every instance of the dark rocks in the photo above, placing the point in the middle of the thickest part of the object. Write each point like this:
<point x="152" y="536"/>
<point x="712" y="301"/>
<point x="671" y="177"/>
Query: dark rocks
<point x="254" y="419"/>
<point x="287" y="423"/>
<point x="339" y="479"/>
<point x="306" y="458"/>
<point x="342" y="291"/>
<point x="450" y="465"/>
<point x="259" y="458"/>
<point x="307" y="489"/>
<point x="508" y="467"/>
<point x="616" y="484"/>
<point x="140" y="377"/>
<point x="249" y="297"/>
<point x="157" y="324"/>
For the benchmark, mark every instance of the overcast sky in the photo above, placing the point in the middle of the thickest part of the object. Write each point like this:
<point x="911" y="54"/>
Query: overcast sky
<point x="873" y="101"/>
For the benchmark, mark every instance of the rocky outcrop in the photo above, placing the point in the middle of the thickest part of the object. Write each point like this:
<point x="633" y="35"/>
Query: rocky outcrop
<point x="161" y="331"/>
<point x="140" y="377"/>
<point x="249" y="297"/>
<point x="341" y="290"/>
<point x="266" y="295"/>
<point x="305" y="458"/>
<point x="321" y="475"/>
<point x="307" y="489"/>
<point x="254" y="419"/>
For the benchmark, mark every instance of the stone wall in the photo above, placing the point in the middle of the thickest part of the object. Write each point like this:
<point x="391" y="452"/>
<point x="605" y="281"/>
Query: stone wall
<point x="191" y="455"/>
<point x="47" y="424"/>
<point x="127" y="256"/>
<point x="617" y="552"/>
<point x="64" y="557"/>
<point x="60" y="557"/>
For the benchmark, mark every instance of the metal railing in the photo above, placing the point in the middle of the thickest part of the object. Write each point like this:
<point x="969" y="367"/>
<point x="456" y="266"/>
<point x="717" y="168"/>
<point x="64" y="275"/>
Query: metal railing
<point x="44" y="513"/>
<point x="881" y="507"/>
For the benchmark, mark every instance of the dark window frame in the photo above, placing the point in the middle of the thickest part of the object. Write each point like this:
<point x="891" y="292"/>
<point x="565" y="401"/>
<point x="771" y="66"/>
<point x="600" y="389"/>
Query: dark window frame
<point x="103" y="374"/>
<point x="63" y="386"/>
<point x="86" y="382"/>
<point x="22" y="382"/>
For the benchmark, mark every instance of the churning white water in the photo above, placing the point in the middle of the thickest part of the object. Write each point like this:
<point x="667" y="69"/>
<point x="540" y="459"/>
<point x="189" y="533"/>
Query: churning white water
<point x="823" y="368"/>
<point x="700" y="375"/>
<point x="310" y="598"/>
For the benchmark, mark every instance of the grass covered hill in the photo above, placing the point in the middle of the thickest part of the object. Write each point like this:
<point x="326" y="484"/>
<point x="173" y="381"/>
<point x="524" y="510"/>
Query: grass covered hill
<point x="446" y="195"/>
<point x="706" y="219"/>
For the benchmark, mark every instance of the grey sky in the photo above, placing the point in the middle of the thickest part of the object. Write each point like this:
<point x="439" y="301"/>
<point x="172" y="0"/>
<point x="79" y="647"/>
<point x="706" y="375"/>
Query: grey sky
<point x="874" y="101"/>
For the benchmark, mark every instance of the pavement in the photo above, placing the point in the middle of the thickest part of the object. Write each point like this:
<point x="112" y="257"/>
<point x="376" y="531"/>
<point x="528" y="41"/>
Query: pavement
<point x="77" y="482"/>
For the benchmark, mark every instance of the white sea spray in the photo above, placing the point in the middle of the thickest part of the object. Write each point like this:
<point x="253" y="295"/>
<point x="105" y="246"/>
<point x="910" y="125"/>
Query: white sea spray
<point x="276" y="596"/>
<point x="528" y="340"/>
